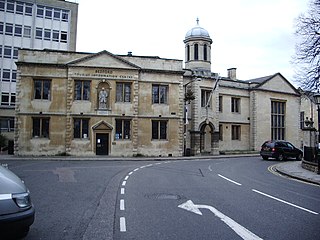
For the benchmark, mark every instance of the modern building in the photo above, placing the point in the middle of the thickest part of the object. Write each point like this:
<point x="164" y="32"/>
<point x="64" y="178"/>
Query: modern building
<point x="126" y="105"/>
<point x="30" y="24"/>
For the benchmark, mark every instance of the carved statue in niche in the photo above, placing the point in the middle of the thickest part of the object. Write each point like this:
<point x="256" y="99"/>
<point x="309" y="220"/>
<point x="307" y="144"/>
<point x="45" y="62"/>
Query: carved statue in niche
<point x="103" y="98"/>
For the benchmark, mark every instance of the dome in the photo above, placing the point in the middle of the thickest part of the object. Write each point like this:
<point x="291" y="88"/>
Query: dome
<point x="197" y="31"/>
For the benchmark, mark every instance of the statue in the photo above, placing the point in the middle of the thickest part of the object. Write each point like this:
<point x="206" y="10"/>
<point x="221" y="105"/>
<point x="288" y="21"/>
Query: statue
<point x="103" y="95"/>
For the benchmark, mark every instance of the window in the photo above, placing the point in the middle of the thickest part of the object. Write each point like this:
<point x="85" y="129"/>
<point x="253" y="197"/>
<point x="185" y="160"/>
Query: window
<point x="236" y="132"/>
<point x="122" y="129"/>
<point x="10" y="6"/>
<point x="42" y="89"/>
<point x="278" y="120"/>
<point x="196" y="51"/>
<point x="235" y="105"/>
<point x="27" y="31"/>
<point x="55" y="35"/>
<point x="82" y="90"/>
<point x="159" y="129"/>
<point x="220" y="132"/>
<point x="6" y="124"/>
<point x="6" y="75"/>
<point x="47" y="34"/>
<point x="81" y="128"/>
<point x="28" y="9"/>
<point x="301" y="120"/>
<point x="65" y="15"/>
<point x="160" y="94"/>
<point x="1" y="5"/>
<point x="63" y="37"/>
<point x="39" y="33"/>
<point x="48" y="12"/>
<point x="9" y="29"/>
<point x="1" y="27"/>
<point x="220" y="103"/>
<point x="56" y="14"/>
<point x="15" y="52"/>
<point x="18" y="30"/>
<point x="205" y="98"/>
<point x="40" y="11"/>
<point x="13" y="99"/>
<point x="188" y="53"/>
<point x="5" y="99"/>
<point x="205" y="53"/>
<point x="123" y="92"/>
<point x="7" y="52"/>
<point x="19" y="8"/>
<point x="14" y="75"/>
<point x="40" y="127"/>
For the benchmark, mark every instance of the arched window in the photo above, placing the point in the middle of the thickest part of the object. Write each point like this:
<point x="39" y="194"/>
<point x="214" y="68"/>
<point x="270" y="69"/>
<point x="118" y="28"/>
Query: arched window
<point x="205" y="56"/>
<point x="196" y="51"/>
<point x="188" y="53"/>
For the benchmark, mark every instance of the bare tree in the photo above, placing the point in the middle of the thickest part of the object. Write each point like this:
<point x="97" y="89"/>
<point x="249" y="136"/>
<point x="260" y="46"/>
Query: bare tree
<point x="307" y="58"/>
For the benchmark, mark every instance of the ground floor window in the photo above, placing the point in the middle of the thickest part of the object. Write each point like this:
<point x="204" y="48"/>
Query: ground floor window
<point x="7" y="124"/>
<point x="235" y="132"/>
<point x="123" y="129"/>
<point x="278" y="120"/>
<point x="40" y="127"/>
<point x="159" y="129"/>
<point x="81" y="128"/>
<point x="220" y="132"/>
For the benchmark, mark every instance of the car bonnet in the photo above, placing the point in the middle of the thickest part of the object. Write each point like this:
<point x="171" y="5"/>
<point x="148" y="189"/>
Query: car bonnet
<point x="10" y="183"/>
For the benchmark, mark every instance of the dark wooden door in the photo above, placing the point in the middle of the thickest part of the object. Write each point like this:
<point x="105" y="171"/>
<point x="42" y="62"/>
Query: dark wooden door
<point x="102" y="143"/>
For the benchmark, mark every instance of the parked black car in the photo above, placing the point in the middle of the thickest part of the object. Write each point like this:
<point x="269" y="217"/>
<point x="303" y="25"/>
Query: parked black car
<point x="280" y="150"/>
<point x="16" y="210"/>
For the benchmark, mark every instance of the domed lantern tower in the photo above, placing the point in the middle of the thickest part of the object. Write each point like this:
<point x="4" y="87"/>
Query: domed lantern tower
<point x="198" y="49"/>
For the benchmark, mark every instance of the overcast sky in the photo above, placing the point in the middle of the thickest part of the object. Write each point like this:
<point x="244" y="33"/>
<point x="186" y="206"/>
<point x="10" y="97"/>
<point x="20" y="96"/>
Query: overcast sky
<point x="255" y="36"/>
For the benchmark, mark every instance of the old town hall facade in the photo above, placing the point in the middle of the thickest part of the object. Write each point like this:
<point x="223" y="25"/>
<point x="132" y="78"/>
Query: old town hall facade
<point x="125" y="105"/>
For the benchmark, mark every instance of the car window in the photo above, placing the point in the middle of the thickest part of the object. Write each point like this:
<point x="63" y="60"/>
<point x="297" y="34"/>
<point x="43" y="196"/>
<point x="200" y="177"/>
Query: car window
<point x="290" y="145"/>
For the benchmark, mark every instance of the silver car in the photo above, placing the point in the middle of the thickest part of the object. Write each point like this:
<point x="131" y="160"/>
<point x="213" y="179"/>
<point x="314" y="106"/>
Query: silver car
<point x="16" y="210"/>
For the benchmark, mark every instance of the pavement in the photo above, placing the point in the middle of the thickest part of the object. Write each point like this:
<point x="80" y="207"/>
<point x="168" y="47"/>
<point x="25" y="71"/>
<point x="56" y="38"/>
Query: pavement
<point x="291" y="169"/>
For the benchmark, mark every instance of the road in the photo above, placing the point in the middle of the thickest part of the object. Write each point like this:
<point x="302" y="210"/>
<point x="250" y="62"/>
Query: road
<point x="227" y="198"/>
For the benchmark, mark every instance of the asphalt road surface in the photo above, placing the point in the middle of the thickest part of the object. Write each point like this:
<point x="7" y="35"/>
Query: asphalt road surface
<point x="227" y="198"/>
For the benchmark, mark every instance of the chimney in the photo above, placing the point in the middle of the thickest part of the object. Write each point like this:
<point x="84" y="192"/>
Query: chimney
<point x="232" y="73"/>
<point x="130" y="54"/>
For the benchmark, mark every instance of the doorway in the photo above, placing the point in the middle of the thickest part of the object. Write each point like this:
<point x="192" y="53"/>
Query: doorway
<point x="102" y="143"/>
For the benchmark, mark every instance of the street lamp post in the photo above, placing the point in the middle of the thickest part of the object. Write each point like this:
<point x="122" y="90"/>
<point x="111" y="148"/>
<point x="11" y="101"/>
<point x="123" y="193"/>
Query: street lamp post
<point x="316" y="97"/>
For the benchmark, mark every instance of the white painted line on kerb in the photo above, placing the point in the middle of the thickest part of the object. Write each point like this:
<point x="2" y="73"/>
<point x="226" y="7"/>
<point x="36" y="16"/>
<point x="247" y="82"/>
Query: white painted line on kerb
<point x="136" y="169"/>
<point x="150" y="165"/>
<point x="158" y="163"/>
<point x="239" y="184"/>
<point x="122" y="204"/>
<point x="124" y="183"/>
<point x="126" y="178"/>
<point x="142" y="167"/>
<point x="130" y="173"/>
<point x="122" y="191"/>
<point x="280" y="200"/>
<point x="123" y="224"/>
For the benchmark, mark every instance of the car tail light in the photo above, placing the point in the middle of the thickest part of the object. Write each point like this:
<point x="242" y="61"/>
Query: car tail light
<point x="273" y="150"/>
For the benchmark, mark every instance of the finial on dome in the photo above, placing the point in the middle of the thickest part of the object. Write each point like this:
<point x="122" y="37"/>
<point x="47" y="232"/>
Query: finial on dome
<point x="197" y="21"/>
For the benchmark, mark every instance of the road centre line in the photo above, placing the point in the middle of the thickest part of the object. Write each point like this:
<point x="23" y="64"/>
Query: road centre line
<point x="136" y="169"/>
<point x="130" y="173"/>
<point x="126" y="178"/>
<point x="239" y="184"/>
<point x="280" y="200"/>
<point x="123" y="224"/>
<point x="122" y="204"/>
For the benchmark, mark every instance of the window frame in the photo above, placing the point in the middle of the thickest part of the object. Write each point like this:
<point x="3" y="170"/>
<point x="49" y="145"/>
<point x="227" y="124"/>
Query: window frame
<point x="85" y="90"/>
<point x="43" y="127"/>
<point x="80" y="130"/>
<point x="121" y="92"/>
<point x="235" y="104"/>
<point x="236" y="132"/>
<point x="45" y="92"/>
<point x="205" y="95"/>
<point x="159" y="129"/>
<point x="278" y="120"/>
<point x="123" y="129"/>
<point x="157" y="97"/>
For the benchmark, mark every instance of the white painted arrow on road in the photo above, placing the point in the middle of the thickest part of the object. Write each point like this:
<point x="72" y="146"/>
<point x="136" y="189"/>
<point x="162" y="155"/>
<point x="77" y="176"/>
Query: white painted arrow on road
<point x="240" y="230"/>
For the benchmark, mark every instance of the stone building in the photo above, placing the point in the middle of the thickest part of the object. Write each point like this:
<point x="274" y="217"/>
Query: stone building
<point x="126" y="105"/>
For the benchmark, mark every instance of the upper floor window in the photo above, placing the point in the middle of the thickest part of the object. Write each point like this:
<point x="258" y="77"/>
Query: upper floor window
<point x="160" y="94"/>
<point x="9" y="29"/>
<point x="81" y="128"/>
<point x="278" y="120"/>
<point x="196" y="51"/>
<point x="205" y="52"/>
<point x="123" y="129"/>
<point x="10" y="6"/>
<point x="8" y="99"/>
<point x="205" y="98"/>
<point x="42" y="89"/>
<point x="220" y="103"/>
<point x="301" y="120"/>
<point x="40" y="127"/>
<point x="188" y="53"/>
<point x="235" y="105"/>
<point x="159" y="129"/>
<point x="123" y="93"/>
<point x="81" y="90"/>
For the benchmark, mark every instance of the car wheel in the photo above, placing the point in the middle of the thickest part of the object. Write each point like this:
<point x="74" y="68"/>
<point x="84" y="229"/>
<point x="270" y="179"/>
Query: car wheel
<point x="299" y="157"/>
<point x="280" y="157"/>
<point x="265" y="157"/>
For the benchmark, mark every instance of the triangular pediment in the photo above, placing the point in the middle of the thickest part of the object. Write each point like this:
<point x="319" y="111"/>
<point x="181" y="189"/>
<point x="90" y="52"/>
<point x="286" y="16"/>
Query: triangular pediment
<point x="277" y="83"/>
<point x="102" y="125"/>
<point x="103" y="59"/>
